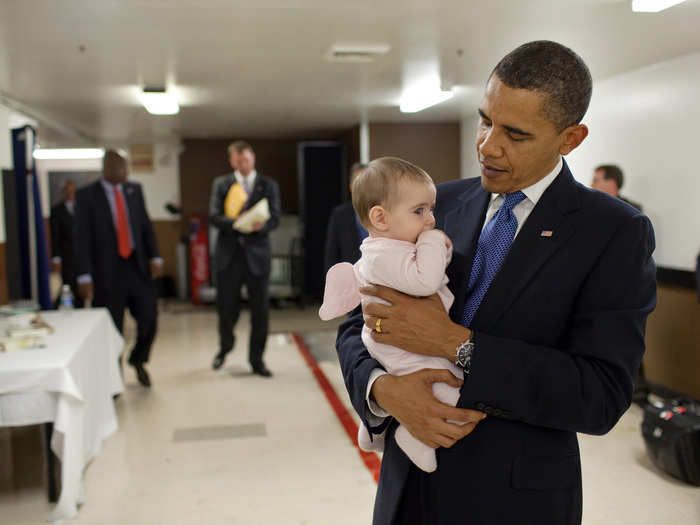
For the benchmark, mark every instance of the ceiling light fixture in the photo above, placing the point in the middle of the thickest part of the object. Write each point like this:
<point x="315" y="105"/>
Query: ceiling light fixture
<point x="653" y="6"/>
<point x="158" y="101"/>
<point x="68" y="153"/>
<point x="420" y="98"/>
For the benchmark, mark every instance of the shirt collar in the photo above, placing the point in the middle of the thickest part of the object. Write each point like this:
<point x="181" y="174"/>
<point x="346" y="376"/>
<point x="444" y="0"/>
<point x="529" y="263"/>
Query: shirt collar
<point x="109" y="186"/>
<point x="534" y="193"/>
<point x="251" y="176"/>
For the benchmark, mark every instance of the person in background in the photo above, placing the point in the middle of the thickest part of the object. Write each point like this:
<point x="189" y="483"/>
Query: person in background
<point x="345" y="233"/>
<point x="118" y="255"/>
<point x="697" y="275"/>
<point x="63" y="240"/>
<point x="243" y="258"/>
<point x="609" y="179"/>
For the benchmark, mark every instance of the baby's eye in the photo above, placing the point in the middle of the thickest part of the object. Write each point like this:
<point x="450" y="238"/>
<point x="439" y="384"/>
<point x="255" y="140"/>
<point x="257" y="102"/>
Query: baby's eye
<point x="418" y="211"/>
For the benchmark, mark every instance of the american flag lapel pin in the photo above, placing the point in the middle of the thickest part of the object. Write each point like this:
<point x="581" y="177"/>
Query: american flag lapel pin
<point x="546" y="233"/>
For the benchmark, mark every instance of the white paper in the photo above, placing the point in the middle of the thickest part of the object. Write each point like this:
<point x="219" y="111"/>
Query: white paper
<point x="258" y="213"/>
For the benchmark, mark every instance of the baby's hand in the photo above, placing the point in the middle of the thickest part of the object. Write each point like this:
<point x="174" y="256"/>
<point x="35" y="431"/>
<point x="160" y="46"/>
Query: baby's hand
<point x="448" y="242"/>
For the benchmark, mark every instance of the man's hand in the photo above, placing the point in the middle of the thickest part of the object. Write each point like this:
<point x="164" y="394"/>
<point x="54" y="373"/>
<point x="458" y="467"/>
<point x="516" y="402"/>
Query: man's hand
<point x="86" y="291"/>
<point x="410" y="400"/>
<point x="418" y="325"/>
<point x="156" y="269"/>
<point x="257" y="226"/>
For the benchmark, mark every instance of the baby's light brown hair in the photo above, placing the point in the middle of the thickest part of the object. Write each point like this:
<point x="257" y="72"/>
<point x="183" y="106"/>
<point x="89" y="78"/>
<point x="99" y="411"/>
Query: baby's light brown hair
<point x="378" y="184"/>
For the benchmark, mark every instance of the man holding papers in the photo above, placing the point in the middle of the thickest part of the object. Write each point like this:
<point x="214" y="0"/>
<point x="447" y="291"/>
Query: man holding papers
<point x="244" y="207"/>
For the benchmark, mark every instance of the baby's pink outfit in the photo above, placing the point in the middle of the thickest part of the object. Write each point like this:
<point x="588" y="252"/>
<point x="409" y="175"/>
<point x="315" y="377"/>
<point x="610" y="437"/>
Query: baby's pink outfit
<point x="415" y="269"/>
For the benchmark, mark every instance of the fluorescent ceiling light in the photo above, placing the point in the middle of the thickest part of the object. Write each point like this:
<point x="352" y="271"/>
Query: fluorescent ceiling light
<point x="68" y="154"/>
<point x="653" y="6"/>
<point x="157" y="101"/>
<point x="418" y="99"/>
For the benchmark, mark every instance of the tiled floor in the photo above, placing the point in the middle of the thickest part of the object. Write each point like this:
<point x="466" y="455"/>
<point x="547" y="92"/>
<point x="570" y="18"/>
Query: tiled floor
<point x="205" y="447"/>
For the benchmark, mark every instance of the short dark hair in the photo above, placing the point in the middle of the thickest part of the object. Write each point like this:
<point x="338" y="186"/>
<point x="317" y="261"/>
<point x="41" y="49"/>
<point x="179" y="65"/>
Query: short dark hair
<point x="611" y="171"/>
<point x="240" y="146"/>
<point x="553" y="70"/>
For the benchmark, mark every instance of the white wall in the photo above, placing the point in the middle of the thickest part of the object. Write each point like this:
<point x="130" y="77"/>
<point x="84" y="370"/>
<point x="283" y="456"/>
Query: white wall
<point x="470" y="162"/>
<point x="9" y="119"/>
<point x="646" y="121"/>
<point x="163" y="185"/>
<point x="159" y="187"/>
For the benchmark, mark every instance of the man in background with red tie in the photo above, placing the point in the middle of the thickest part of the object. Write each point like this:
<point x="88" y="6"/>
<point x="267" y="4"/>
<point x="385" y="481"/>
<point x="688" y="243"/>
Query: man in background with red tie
<point x="118" y="255"/>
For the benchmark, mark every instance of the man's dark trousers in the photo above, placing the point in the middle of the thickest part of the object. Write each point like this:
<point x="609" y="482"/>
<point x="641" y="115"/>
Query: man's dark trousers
<point x="228" y="301"/>
<point x="135" y="291"/>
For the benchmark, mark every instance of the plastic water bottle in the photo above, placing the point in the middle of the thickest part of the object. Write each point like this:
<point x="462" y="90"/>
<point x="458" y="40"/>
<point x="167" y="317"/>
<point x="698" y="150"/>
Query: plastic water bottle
<point x="67" y="302"/>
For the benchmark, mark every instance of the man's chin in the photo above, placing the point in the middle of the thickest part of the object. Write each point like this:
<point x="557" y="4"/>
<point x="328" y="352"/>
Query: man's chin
<point x="498" y="185"/>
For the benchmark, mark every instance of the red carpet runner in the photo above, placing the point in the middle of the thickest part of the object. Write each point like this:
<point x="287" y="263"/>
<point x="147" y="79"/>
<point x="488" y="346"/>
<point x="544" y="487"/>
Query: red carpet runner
<point x="370" y="459"/>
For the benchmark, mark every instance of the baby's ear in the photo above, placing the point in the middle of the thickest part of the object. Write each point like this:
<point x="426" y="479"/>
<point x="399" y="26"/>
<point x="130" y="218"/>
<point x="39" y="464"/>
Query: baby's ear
<point x="379" y="218"/>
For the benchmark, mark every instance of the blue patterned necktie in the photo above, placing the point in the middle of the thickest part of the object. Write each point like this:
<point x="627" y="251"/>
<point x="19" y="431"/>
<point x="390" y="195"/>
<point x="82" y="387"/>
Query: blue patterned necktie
<point x="494" y="243"/>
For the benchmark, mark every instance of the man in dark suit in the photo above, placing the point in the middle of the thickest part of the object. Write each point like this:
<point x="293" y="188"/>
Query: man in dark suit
<point x="243" y="258"/>
<point x="118" y="255"/>
<point x="63" y="240"/>
<point x="553" y="283"/>
<point x="345" y="233"/>
<point x="609" y="179"/>
<point x="697" y="275"/>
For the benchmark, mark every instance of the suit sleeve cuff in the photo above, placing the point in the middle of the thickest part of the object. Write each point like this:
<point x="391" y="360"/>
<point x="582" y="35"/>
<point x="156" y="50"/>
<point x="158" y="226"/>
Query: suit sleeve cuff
<point x="84" y="278"/>
<point x="376" y="414"/>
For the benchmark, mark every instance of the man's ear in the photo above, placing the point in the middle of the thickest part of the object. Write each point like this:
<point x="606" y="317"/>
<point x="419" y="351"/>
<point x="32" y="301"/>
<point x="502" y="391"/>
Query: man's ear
<point x="573" y="137"/>
<point x="379" y="218"/>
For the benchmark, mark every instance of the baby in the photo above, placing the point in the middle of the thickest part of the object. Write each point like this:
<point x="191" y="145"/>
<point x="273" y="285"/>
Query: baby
<point x="394" y="201"/>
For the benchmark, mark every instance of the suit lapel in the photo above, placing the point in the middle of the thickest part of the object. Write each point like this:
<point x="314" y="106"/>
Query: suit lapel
<point x="462" y="224"/>
<point x="132" y="206"/>
<point x="531" y="249"/>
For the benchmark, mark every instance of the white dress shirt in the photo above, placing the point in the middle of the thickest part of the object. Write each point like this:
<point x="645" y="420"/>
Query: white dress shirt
<point x="250" y="177"/>
<point x="521" y="211"/>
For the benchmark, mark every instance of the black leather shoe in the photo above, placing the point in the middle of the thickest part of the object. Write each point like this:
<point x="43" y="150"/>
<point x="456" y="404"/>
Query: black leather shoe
<point x="142" y="375"/>
<point x="218" y="361"/>
<point x="262" y="370"/>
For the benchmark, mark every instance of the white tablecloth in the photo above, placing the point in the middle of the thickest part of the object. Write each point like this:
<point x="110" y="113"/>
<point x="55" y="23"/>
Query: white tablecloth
<point x="70" y="382"/>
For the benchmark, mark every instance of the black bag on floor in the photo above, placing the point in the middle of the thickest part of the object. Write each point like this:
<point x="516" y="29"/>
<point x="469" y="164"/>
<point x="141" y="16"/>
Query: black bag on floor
<point x="671" y="431"/>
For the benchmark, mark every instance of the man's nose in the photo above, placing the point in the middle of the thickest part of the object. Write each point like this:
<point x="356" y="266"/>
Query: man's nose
<point x="489" y="145"/>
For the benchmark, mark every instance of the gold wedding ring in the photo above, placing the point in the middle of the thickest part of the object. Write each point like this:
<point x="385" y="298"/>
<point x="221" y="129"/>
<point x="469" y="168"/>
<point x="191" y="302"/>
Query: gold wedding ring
<point x="378" y="325"/>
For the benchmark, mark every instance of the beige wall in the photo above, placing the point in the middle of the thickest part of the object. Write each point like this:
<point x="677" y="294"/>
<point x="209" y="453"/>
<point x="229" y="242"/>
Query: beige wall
<point x="673" y="341"/>
<point x="434" y="147"/>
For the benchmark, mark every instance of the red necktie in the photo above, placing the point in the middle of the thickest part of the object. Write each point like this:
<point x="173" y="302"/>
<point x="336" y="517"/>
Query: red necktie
<point x="123" y="238"/>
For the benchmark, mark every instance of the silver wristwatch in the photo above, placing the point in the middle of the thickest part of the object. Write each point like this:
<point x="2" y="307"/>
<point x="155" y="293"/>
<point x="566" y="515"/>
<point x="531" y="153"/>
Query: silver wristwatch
<point x="463" y="355"/>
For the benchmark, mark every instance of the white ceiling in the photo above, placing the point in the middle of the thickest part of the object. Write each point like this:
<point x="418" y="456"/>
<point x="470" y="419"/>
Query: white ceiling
<point x="258" y="68"/>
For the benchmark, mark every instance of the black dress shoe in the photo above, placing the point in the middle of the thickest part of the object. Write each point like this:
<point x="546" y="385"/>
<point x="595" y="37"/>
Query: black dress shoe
<point x="218" y="361"/>
<point x="262" y="370"/>
<point x="142" y="375"/>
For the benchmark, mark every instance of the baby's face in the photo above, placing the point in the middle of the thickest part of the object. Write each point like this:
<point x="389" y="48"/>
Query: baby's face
<point x="412" y="214"/>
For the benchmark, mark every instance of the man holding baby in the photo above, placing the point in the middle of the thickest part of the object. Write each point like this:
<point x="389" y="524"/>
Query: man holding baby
<point x="552" y="285"/>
